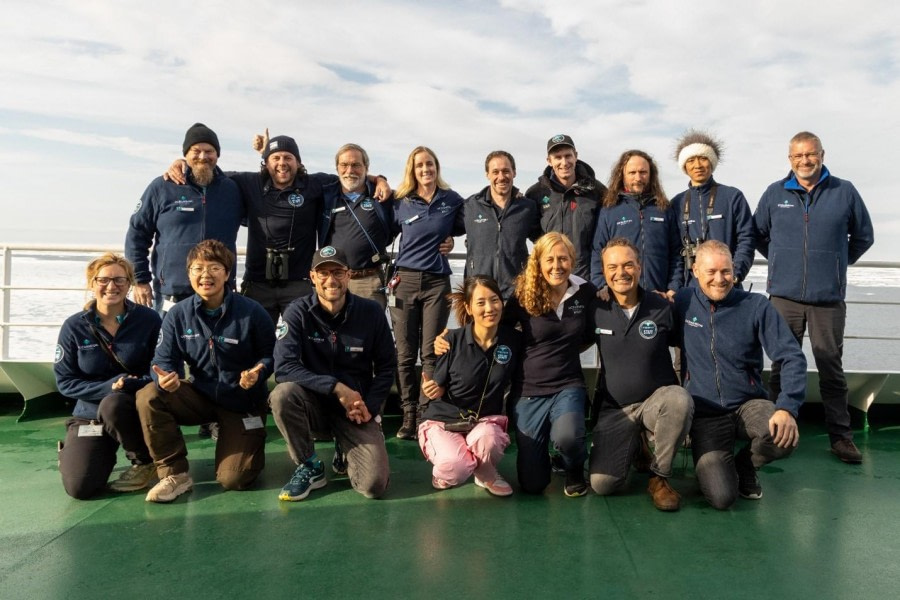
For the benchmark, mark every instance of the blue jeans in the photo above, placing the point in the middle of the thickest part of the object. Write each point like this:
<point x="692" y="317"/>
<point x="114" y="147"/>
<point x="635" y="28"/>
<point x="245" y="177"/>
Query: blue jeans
<point x="541" y="419"/>
<point x="712" y="444"/>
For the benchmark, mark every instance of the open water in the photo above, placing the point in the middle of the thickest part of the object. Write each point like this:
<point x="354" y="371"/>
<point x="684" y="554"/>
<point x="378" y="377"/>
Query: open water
<point x="864" y="320"/>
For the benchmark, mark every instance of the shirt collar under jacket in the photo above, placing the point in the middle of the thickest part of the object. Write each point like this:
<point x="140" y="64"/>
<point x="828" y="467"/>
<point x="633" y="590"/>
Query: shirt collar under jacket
<point x="791" y="182"/>
<point x="575" y="282"/>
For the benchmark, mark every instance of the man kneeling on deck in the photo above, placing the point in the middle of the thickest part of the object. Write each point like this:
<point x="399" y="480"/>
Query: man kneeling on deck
<point x="637" y="388"/>
<point x="724" y="333"/>
<point x="227" y="341"/>
<point x="334" y="363"/>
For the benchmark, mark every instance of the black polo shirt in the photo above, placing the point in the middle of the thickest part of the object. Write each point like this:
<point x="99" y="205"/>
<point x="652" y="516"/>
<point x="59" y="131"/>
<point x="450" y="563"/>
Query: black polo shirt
<point x="466" y="372"/>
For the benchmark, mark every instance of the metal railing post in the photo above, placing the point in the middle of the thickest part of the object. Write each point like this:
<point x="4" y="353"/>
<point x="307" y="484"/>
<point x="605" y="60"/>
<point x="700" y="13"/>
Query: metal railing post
<point x="4" y="303"/>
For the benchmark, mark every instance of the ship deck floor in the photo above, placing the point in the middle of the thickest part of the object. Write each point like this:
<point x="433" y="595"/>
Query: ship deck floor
<point x="822" y="530"/>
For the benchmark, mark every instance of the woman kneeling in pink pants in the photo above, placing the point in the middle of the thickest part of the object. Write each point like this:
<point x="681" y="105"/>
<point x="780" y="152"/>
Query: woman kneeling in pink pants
<point x="463" y="428"/>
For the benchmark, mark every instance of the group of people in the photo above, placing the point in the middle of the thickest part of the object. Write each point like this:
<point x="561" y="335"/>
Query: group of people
<point x="618" y="266"/>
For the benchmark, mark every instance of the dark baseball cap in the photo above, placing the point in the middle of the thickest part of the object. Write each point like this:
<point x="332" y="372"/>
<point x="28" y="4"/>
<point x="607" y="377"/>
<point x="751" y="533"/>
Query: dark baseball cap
<point x="559" y="140"/>
<point x="330" y="254"/>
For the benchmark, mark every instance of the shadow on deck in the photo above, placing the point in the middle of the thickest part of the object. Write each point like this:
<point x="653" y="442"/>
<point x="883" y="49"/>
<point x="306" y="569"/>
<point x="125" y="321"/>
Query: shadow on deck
<point x="822" y="530"/>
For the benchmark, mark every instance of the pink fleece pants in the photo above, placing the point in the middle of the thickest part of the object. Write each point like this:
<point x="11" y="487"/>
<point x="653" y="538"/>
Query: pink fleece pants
<point x="456" y="456"/>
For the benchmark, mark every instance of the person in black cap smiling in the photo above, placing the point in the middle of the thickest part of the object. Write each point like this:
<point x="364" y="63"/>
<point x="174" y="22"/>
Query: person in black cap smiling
<point x="284" y="205"/>
<point x="173" y="217"/>
<point x="334" y="363"/>
<point x="568" y="197"/>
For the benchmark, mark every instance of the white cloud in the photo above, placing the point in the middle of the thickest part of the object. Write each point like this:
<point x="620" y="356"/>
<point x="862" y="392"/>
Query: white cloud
<point x="109" y="88"/>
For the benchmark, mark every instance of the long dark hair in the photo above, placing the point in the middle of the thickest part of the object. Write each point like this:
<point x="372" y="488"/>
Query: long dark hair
<point x="617" y="179"/>
<point x="462" y="297"/>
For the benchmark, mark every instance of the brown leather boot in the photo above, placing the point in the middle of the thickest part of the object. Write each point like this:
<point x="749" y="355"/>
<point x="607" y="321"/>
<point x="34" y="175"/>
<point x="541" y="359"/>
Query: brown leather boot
<point x="664" y="497"/>
<point x="407" y="430"/>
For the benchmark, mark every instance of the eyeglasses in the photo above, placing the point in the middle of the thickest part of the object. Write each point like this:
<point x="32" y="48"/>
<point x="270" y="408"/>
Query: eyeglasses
<point x="212" y="270"/>
<point x="338" y="274"/>
<point x="119" y="281"/>
<point x="807" y="156"/>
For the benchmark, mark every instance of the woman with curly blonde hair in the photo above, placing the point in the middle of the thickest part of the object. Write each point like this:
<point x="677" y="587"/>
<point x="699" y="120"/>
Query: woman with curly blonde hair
<point x="552" y="306"/>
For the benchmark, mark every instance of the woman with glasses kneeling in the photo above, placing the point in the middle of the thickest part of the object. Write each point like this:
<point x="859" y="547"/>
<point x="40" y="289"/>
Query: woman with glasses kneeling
<point x="463" y="429"/>
<point x="102" y="358"/>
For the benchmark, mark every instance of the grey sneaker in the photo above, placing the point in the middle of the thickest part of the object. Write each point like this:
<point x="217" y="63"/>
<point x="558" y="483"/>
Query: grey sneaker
<point x="308" y="477"/>
<point x="170" y="488"/>
<point x="135" y="478"/>
<point x="339" y="462"/>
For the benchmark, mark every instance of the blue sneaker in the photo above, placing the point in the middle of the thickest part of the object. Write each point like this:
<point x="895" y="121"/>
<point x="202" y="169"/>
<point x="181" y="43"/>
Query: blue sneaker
<point x="308" y="476"/>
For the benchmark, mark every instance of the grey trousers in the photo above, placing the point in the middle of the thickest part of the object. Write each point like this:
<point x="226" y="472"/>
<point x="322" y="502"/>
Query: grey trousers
<point x="712" y="444"/>
<point x="273" y="298"/>
<point x="369" y="287"/>
<point x="298" y="412"/>
<point x="667" y="413"/>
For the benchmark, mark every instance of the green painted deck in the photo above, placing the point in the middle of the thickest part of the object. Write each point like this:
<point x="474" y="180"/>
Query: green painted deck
<point x="822" y="530"/>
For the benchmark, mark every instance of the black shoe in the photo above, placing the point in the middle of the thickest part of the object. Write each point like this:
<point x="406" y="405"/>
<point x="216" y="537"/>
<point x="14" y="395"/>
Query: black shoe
<point x="557" y="464"/>
<point x="407" y="431"/>
<point x="847" y="451"/>
<point x="209" y="430"/>
<point x="575" y="484"/>
<point x="748" y="481"/>
<point x="339" y="462"/>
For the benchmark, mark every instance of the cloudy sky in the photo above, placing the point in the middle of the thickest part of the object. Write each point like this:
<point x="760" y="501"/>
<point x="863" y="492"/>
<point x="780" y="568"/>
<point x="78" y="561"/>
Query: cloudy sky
<point x="96" y="95"/>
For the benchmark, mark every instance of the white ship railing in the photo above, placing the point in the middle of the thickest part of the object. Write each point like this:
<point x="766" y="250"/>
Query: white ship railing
<point x="39" y="373"/>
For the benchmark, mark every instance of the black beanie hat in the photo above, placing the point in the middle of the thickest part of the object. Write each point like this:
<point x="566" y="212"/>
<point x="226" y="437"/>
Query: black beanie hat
<point x="199" y="133"/>
<point x="281" y="143"/>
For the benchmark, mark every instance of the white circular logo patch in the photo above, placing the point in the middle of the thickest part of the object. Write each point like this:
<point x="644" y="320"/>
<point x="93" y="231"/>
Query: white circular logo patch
<point x="139" y="205"/>
<point x="160" y="338"/>
<point x="502" y="354"/>
<point x="327" y="252"/>
<point x="59" y="353"/>
<point x="648" y="330"/>
<point x="296" y="200"/>
<point x="281" y="330"/>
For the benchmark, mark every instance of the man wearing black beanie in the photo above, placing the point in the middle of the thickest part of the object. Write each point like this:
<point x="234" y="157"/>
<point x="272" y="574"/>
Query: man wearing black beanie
<point x="173" y="218"/>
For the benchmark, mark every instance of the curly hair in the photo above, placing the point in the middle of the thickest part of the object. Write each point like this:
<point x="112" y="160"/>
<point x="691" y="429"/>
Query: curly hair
<point x="532" y="290"/>
<point x="409" y="184"/>
<point x="617" y="181"/>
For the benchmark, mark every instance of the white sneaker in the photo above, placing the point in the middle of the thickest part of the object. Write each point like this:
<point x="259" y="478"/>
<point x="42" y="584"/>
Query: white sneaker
<point x="135" y="478"/>
<point x="170" y="488"/>
<point x="497" y="487"/>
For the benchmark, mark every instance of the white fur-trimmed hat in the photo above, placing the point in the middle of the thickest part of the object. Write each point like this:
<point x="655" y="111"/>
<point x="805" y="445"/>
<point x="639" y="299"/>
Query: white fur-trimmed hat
<point x="692" y="150"/>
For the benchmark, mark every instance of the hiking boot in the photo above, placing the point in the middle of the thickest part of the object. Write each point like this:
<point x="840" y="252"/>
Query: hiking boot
<point x="497" y="487"/>
<point x="136" y="477"/>
<point x="664" y="497"/>
<point x="170" y="487"/>
<point x="575" y="484"/>
<point x="847" y="451"/>
<point x="748" y="481"/>
<point x="339" y="462"/>
<point x="307" y="477"/>
<point x="407" y="431"/>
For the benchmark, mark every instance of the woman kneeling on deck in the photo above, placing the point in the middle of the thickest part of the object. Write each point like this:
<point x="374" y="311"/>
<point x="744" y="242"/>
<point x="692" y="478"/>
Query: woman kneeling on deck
<point x="463" y="431"/>
<point x="102" y="358"/>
